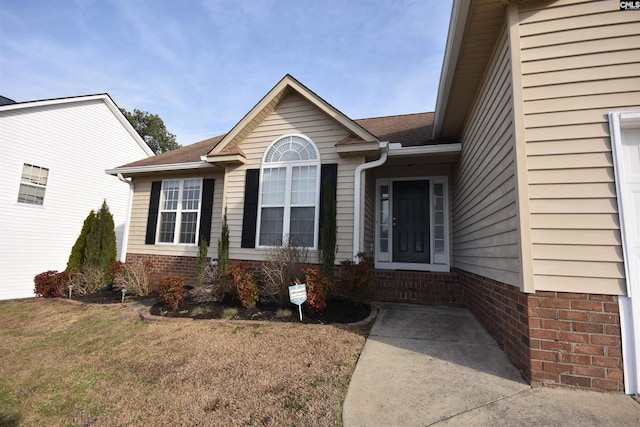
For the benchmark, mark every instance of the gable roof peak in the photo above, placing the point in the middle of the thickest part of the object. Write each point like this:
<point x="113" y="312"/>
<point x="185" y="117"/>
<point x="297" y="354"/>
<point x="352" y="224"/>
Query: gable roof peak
<point x="270" y="101"/>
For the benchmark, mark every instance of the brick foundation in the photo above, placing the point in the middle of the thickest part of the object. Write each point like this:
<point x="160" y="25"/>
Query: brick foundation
<point x="555" y="338"/>
<point x="166" y="265"/>
<point x="417" y="287"/>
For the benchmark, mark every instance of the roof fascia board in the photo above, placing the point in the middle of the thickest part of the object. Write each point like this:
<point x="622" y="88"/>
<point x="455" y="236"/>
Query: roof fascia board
<point x="291" y="82"/>
<point x="160" y="168"/>
<point x="457" y="25"/>
<point x="364" y="146"/>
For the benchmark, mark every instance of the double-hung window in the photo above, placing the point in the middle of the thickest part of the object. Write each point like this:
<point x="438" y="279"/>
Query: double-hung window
<point x="289" y="193"/>
<point x="33" y="183"/>
<point x="179" y="211"/>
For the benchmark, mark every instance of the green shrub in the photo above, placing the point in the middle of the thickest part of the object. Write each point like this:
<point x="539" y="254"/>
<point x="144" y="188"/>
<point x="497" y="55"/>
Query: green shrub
<point x="223" y="244"/>
<point x="100" y="249"/>
<point x="172" y="291"/>
<point x="318" y="288"/>
<point x="51" y="283"/>
<point x="244" y="283"/>
<point x="357" y="279"/>
<point x="76" y="259"/>
<point x="201" y="262"/>
<point x="328" y="230"/>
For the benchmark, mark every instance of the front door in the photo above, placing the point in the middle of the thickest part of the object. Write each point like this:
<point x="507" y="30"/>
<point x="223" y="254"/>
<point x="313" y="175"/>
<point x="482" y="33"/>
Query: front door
<point x="411" y="221"/>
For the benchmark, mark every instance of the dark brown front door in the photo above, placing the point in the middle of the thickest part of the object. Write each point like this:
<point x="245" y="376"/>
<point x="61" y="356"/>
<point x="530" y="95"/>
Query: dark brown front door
<point x="411" y="221"/>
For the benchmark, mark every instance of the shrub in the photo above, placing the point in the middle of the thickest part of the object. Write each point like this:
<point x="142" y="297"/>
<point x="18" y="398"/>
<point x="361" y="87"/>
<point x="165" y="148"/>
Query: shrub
<point x="51" y="283"/>
<point x="134" y="277"/>
<point x="172" y="291"/>
<point x="357" y="280"/>
<point x="223" y="244"/>
<point x="213" y="286"/>
<point x="283" y="266"/>
<point x="201" y="261"/>
<point x="328" y="230"/>
<point x="87" y="281"/>
<point x="100" y="247"/>
<point x="245" y="284"/>
<point x="318" y="288"/>
<point x="76" y="259"/>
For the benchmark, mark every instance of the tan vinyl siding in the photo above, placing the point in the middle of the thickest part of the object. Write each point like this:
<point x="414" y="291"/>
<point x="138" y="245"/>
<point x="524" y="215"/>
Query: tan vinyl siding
<point x="140" y="210"/>
<point x="580" y="60"/>
<point x="294" y="115"/>
<point x="485" y="239"/>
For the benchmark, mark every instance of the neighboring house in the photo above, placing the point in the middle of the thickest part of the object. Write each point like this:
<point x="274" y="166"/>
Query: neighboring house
<point x="54" y="154"/>
<point x="503" y="201"/>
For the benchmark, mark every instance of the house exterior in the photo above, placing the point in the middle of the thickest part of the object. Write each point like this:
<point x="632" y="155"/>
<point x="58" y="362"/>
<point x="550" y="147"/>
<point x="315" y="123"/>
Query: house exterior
<point x="54" y="156"/>
<point x="511" y="199"/>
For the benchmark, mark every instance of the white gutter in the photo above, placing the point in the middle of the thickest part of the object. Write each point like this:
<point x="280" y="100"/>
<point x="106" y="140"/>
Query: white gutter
<point x="125" y="235"/>
<point x="160" y="168"/>
<point x="397" y="150"/>
<point x="357" y="206"/>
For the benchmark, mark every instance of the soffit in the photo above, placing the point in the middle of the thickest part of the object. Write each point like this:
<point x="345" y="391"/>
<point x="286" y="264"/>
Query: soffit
<point x="483" y="25"/>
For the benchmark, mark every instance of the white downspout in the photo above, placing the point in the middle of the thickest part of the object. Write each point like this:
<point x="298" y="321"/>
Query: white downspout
<point x="384" y="148"/>
<point x="125" y="235"/>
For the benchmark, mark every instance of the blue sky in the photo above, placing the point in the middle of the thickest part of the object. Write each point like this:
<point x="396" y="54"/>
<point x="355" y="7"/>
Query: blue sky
<point x="203" y="64"/>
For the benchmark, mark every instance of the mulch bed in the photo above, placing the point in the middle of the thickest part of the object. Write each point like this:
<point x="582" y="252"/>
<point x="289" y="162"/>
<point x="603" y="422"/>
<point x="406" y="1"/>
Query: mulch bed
<point x="336" y="312"/>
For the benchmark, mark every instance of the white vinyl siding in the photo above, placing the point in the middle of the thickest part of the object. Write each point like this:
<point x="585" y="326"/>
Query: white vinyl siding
<point x="484" y="211"/>
<point x="77" y="140"/>
<point x="580" y="60"/>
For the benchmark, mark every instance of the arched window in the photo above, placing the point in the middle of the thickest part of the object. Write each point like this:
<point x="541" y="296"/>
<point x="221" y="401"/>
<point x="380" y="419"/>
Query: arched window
<point x="289" y="193"/>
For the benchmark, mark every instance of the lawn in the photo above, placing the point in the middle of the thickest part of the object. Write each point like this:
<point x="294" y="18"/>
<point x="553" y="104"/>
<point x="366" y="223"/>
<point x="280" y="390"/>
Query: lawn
<point x="88" y="365"/>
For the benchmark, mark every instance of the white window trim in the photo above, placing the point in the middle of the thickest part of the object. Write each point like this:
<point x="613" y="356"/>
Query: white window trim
<point x="176" y="231"/>
<point x="287" y="202"/>
<point x="383" y="260"/>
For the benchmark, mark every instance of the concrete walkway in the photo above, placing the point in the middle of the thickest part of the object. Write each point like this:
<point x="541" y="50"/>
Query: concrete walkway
<point x="424" y="366"/>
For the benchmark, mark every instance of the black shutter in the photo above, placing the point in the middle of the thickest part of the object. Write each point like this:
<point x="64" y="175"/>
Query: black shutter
<point x="328" y="180"/>
<point x="152" y="218"/>
<point x="207" y="211"/>
<point x="250" y="214"/>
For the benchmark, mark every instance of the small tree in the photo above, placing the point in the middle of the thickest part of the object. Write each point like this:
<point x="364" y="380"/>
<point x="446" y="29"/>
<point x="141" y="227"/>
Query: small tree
<point x="100" y="249"/>
<point x="328" y="230"/>
<point x="223" y="244"/>
<point x="76" y="259"/>
<point x="201" y="262"/>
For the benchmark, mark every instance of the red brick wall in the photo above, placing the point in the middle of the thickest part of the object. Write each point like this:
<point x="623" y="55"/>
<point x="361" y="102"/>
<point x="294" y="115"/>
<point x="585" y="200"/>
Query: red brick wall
<point x="418" y="287"/>
<point x="555" y="338"/>
<point x="575" y="341"/>
<point x="164" y="265"/>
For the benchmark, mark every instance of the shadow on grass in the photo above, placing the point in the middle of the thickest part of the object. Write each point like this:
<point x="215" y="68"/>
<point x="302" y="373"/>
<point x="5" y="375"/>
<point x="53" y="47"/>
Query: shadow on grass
<point x="9" y="421"/>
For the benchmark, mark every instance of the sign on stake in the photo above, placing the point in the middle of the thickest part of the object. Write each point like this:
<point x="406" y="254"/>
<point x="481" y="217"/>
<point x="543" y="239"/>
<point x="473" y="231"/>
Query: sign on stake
<point x="298" y="295"/>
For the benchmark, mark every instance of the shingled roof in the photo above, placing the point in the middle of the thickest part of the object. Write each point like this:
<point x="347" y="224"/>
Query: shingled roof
<point x="409" y="130"/>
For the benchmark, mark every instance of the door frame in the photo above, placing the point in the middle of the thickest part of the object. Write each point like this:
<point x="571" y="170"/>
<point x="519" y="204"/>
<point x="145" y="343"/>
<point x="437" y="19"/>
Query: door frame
<point x="439" y="262"/>
<point x="629" y="305"/>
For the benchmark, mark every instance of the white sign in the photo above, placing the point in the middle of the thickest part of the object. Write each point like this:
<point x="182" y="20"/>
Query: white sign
<point x="298" y="295"/>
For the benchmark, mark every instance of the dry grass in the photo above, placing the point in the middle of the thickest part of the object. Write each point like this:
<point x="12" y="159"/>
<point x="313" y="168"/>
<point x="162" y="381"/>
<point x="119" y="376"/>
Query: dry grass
<point x="64" y="364"/>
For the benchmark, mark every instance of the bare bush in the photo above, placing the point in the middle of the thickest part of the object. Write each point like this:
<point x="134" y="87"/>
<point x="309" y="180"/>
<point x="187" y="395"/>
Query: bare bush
<point x="135" y="278"/>
<point x="87" y="281"/>
<point x="213" y="286"/>
<point x="282" y="268"/>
